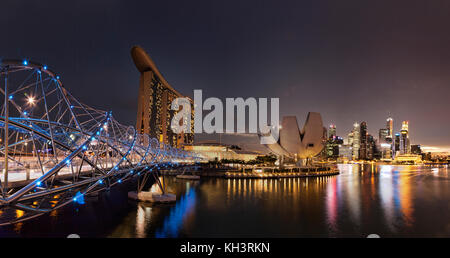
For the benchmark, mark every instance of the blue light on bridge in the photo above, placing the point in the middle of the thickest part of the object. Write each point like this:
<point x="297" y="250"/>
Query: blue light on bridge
<point x="116" y="150"/>
<point x="79" y="198"/>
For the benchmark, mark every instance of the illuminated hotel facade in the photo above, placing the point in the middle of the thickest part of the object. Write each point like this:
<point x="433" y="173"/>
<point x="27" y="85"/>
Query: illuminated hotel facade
<point x="154" y="114"/>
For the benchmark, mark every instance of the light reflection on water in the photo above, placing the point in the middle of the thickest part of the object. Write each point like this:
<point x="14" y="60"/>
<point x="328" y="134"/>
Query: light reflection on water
<point x="367" y="199"/>
<point x="173" y="222"/>
<point x="363" y="199"/>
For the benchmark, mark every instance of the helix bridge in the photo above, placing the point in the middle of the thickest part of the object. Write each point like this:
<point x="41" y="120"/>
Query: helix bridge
<point x="55" y="150"/>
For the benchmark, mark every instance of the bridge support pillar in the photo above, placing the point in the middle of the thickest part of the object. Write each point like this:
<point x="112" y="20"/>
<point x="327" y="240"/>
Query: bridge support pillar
<point x="152" y="197"/>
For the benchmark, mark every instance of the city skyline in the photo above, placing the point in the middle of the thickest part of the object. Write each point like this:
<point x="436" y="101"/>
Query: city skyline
<point x="203" y="122"/>
<point x="349" y="64"/>
<point x="374" y="131"/>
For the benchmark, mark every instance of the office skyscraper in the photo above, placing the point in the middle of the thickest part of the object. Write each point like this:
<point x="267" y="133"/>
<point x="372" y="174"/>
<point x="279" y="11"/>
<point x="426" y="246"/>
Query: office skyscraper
<point x="396" y="145"/>
<point x="383" y="135"/>
<point x="356" y="141"/>
<point x="390" y="128"/>
<point x="404" y="138"/>
<point x="332" y="132"/>
<point x="363" y="141"/>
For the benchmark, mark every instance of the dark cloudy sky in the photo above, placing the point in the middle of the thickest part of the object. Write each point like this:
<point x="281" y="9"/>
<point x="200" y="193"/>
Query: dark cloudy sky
<point x="349" y="60"/>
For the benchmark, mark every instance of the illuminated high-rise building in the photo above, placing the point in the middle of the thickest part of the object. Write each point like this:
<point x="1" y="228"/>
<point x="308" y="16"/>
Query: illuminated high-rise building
<point x="405" y="125"/>
<point x="363" y="141"/>
<point x="332" y="132"/>
<point x="356" y="141"/>
<point x="333" y="143"/>
<point x="384" y="144"/>
<point x="396" y="144"/>
<point x="383" y="135"/>
<point x="404" y="138"/>
<point x="349" y="139"/>
<point x="154" y="115"/>
<point x="390" y="128"/>
<point x="371" y="148"/>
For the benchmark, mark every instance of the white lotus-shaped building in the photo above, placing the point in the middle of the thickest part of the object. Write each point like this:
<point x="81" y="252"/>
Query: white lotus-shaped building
<point x="300" y="144"/>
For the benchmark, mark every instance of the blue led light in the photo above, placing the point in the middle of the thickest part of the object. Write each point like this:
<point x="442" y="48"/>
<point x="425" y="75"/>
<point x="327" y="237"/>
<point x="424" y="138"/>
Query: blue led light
<point x="79" y="198"/>
<point x="10" y="97"/>
<point x="100" y="181"/>
<point x="45" y="67"/>
<point x="71" y="106"/>
<point x="25" y="62"/>
<point x="84" y="147"/>
<point x="57" y="77"/>
<point x="38" y="183"/>
<point x="25" y="113"/>
<point x="119" y="181"/>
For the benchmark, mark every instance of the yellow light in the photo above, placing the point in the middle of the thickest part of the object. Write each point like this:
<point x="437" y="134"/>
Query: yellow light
<point x="30" y="100"/>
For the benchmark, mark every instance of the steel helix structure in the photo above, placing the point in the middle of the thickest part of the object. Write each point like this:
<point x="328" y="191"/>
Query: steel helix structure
<point x="55" y="150"/>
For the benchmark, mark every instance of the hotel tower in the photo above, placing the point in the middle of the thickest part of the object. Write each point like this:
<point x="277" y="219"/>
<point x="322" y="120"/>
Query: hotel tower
<point x="154" y="114"/>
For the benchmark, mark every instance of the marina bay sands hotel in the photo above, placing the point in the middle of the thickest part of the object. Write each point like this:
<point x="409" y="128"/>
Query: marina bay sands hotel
<point x="154" y="114"/>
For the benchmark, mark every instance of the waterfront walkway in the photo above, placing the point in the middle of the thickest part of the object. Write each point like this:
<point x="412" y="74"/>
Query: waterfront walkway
<point x="256" y="173"/>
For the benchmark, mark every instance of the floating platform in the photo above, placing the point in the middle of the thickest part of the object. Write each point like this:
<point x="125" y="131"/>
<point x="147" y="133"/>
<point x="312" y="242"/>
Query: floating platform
<point x="190" y="177"/>
<point x="152" y="197"/>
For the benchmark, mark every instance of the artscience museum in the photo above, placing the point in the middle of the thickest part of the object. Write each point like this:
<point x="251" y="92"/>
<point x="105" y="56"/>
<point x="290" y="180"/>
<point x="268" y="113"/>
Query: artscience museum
<point x="299" y="146"/>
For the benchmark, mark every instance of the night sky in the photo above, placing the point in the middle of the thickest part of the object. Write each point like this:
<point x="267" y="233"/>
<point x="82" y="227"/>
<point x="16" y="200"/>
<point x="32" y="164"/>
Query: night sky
<point x="349" y="60"/>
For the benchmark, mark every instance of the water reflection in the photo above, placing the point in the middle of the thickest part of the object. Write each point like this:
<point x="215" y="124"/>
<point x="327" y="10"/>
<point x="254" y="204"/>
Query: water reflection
<point x="173" y="222"/>
<point x="363" y="199"/>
